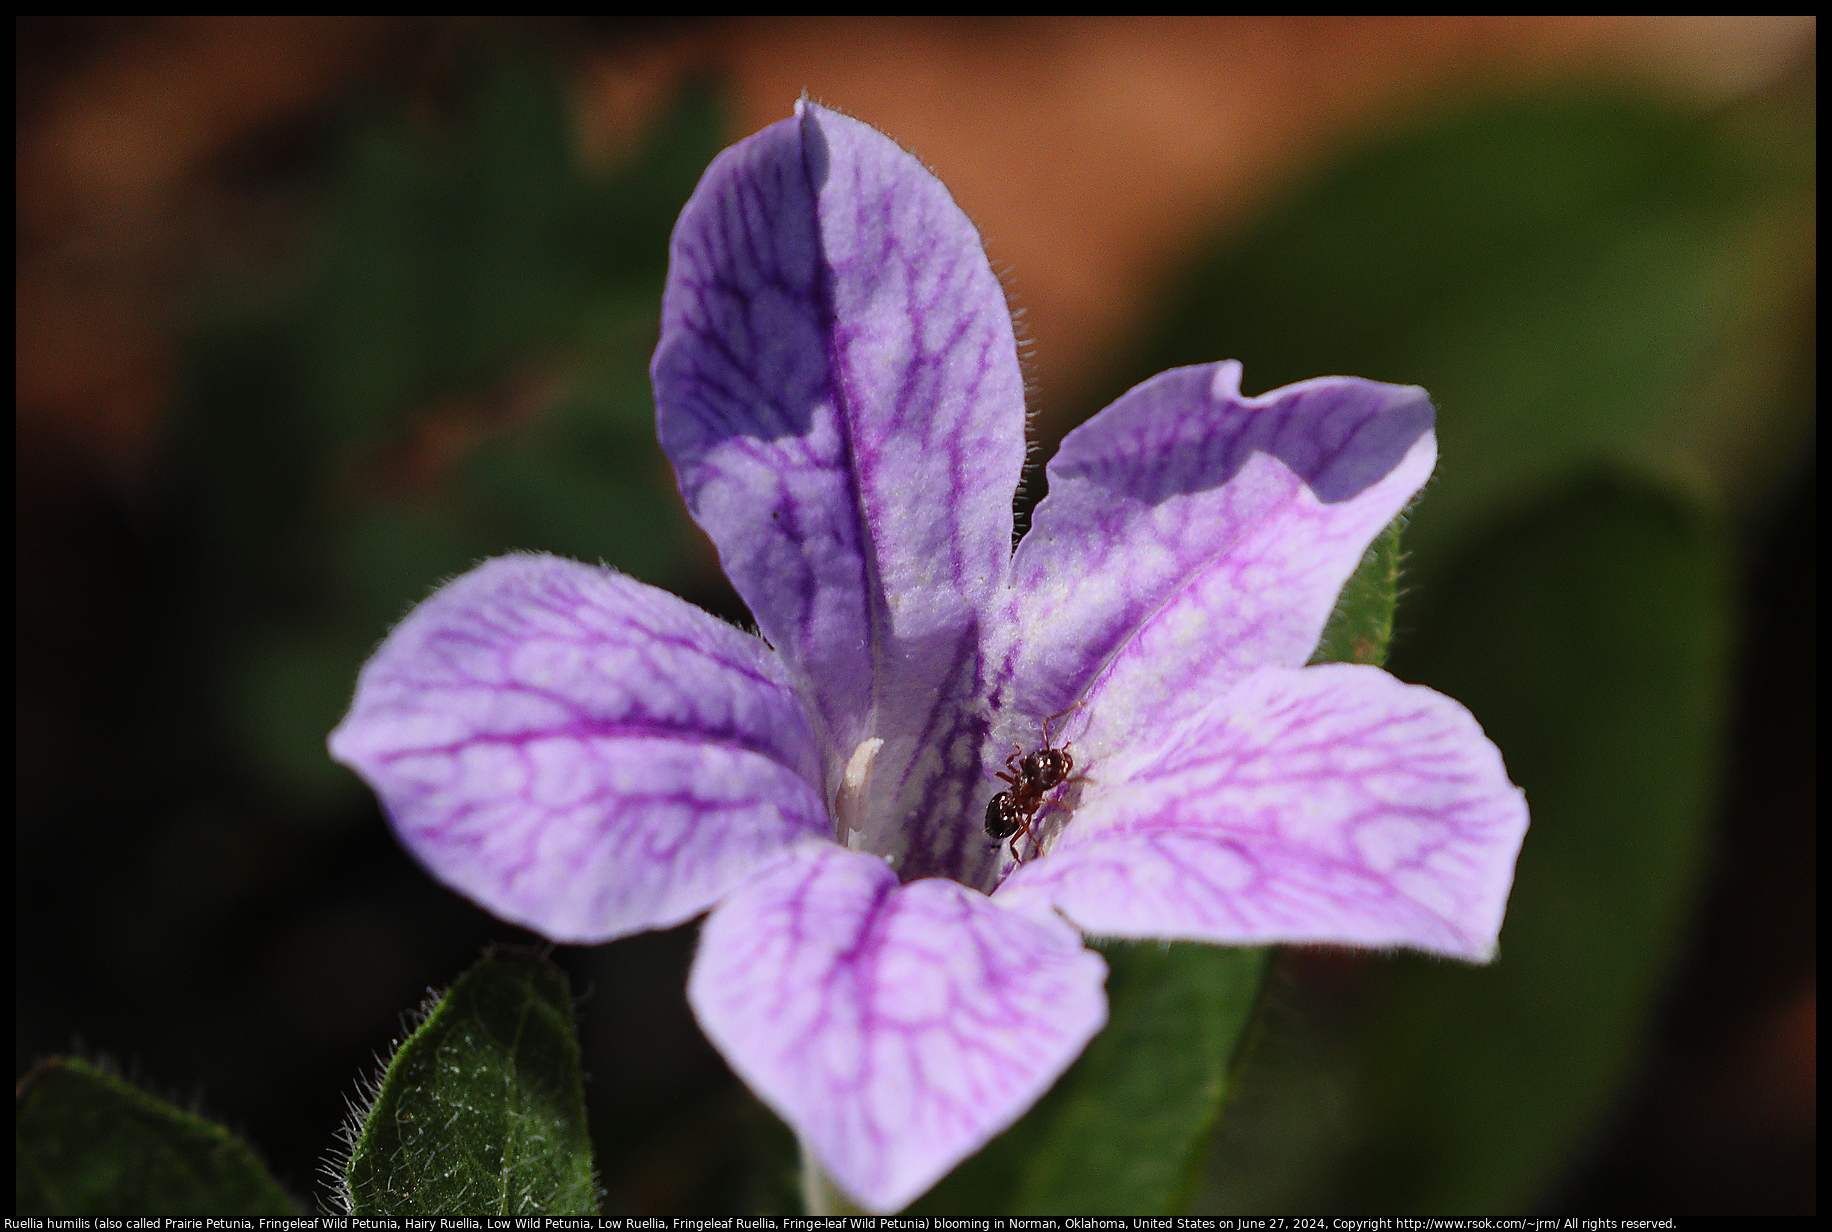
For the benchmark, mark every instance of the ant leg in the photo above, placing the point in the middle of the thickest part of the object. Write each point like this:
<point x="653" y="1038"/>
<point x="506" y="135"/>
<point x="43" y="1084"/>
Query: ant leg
<point x="1036" y="840"/>
<point x="1052" y="803"/>
<point x="1036" y="846"/>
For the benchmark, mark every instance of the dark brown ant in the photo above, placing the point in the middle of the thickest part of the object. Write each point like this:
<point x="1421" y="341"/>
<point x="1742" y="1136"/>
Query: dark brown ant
<point x="1010" y="813"/>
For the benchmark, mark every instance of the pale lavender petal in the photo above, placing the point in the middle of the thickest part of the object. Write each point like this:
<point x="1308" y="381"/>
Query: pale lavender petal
<point x="896" y="1028"/>
<point x="1191" y="535"/>
<point x="838" y="387"/>
<point x="1323" y="804"/>
<point x="581" y="753"/>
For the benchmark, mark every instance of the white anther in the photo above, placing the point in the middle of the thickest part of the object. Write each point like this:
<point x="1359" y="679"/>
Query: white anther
<point x="849" y="800"/>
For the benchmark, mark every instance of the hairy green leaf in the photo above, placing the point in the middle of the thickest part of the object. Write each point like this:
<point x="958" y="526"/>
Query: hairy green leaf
<point x="1361" y="627"/>
<point x="482" y="1111"/>
<point x="90" y="1143"/>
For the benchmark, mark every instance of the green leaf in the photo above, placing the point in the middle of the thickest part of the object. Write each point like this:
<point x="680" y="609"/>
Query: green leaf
<point x="90" y="1143"/>
<point x="1587" y="286"/>
<point x="1592" y="640"/>
<point x="1361" y="627"/>
<point x="482" y="1111"/>
<point x="1573" y="279"/>
<point x="1123" y="1131"/>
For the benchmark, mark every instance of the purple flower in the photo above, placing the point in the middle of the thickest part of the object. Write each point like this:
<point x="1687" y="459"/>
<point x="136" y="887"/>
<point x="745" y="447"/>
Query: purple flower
<point x="838" y="388"/>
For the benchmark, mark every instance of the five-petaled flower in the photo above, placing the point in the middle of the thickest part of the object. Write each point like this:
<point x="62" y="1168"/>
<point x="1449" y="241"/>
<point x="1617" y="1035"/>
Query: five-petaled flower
<point x="838" y="388"/>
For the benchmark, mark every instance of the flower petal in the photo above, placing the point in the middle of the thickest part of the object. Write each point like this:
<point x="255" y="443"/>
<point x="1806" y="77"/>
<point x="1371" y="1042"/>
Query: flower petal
<point x="838" y="387"/>
<point x="1324" y="804"/>
<point x="1192" y="535"/>
<point x="897" y="1029"/>
<point x="581" y="753"/>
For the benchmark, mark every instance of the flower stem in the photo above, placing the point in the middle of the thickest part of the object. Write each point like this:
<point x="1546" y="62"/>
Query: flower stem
<point x="820" y="1196"/>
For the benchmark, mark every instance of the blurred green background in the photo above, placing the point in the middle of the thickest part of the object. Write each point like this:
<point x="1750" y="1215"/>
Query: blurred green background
<point x="442" y="356"/>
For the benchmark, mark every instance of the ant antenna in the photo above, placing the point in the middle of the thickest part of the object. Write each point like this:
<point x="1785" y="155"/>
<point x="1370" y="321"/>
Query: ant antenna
<point x="1046" y="723"/>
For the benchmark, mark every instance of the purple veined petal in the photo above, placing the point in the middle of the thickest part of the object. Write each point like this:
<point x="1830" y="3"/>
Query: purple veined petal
<point x="581" y="753"/>
<point x="897" y="1029"/>
<point x="1325" y="804"/>
<point x="837" y="385"/>
<point x="1191" y="535"/>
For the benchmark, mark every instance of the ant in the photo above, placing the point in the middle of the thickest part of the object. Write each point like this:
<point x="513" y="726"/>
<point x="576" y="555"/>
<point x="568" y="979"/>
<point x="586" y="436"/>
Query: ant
<point x="1010" y="813"/>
